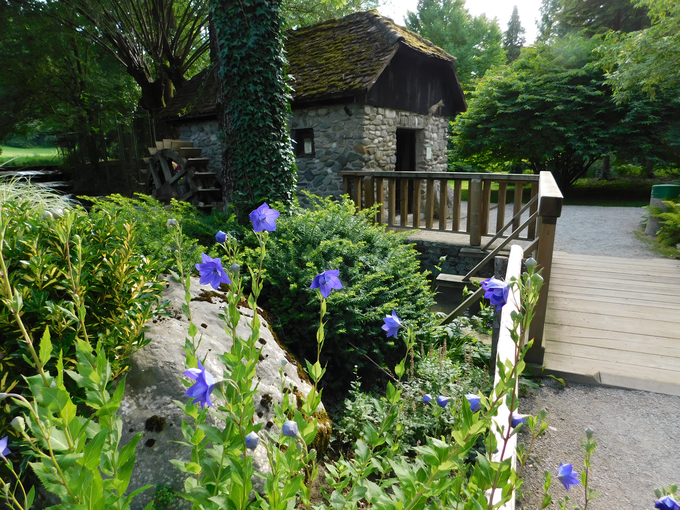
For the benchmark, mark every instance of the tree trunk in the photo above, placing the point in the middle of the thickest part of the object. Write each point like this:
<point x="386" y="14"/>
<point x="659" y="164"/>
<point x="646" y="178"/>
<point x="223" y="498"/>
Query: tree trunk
<point x="606" y="168"/>
<point x="650" y="168"/>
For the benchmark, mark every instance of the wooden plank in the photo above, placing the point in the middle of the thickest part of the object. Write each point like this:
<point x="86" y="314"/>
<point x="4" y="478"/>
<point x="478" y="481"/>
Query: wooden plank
<point x="475" y="211"/>
<point x="612" y="309"/>
<point x="358" y="182"/>
<point x="519" y="187"/>
<point x="669" y="279"/>
<point x="369" y="192"/>
<point x="346" y="184"/>
<point x="417" y="188"/>
<point x="532" y="227"/>
<point x="392" y="204"/>
<point x="595" y="259"/>
<point x="500" y="214"/>
<point x="380" y="198"/>
<point x="640" y="378"/>
<point x="403" y="202"/>
<point x="636" y="359"/>
<point x="570" y="287"/>
<point x="611" y="283"/>
<point x="443" y="204"/>
<point x="615" y="297"/>
<point x="486" y="206"/>
<point x="612" y="340"/>
<point x="608" y="323"/>
<point x="457" y="199"/>
<point x="429" y="204"/>
<point x="528" y="178"/>
<point x="635" y="270"/>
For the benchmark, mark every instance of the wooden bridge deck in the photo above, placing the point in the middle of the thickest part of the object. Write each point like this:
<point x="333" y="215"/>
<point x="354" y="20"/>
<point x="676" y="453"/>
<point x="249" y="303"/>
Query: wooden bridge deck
<point x="614" y="321"/>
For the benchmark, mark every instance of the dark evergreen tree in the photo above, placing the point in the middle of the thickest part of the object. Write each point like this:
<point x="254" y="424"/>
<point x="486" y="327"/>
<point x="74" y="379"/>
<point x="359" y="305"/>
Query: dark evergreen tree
<point x="513" y="40"/>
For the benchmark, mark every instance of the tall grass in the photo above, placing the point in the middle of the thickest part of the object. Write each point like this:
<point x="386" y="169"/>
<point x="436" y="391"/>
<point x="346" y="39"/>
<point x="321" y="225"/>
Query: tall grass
<point x="22" y="192"/>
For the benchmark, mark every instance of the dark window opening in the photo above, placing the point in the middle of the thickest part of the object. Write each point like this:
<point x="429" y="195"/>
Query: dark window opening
<point x="303" y="141"/>
<point x="406" y="162"/>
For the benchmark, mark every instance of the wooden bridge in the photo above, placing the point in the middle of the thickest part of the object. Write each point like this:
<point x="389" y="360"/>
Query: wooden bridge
<point x="601" y="320"/>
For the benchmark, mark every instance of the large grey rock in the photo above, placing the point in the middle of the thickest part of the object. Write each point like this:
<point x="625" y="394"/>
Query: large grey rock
<point x="155" y="380"/>
<point x="449" y="199"/>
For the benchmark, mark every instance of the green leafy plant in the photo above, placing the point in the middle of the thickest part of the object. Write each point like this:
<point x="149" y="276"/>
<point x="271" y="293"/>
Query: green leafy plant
<point x="378" y="271"/>
<point x="82" y="276"/>
<point x="669" y="233"/>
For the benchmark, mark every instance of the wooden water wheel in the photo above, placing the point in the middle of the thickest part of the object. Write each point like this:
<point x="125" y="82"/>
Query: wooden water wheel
<point x="177" y="170"/>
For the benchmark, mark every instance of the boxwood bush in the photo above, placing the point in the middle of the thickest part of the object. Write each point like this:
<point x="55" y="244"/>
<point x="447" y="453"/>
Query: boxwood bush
<point x="379" y="273"/>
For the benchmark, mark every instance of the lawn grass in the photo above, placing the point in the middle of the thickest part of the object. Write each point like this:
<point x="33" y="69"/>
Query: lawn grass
<point x="29" y="157"/>
<point x="509" y="195"/>
<point x="620" y="192"/>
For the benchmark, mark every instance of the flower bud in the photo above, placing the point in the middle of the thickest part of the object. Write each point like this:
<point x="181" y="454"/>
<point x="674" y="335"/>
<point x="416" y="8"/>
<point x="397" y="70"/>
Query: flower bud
<point x="19" y="424"/>
<point x="235" y="268"/>
<point x="290" y="429"/>
<point x="221" y="237"/>
<point x="47" y="215"/>
<point x="531" y="264"/>
<point x="427" y="398"/>
<point x="536" y="280"/>
<point x="252" y="440"/>
<point x="442" y="401"/>
<point x="57" y="212"/>
<point x="172" y="222"/>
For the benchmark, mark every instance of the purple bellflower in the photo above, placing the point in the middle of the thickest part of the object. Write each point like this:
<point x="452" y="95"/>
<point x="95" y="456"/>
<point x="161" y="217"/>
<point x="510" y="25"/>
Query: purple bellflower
<point x="667" y="503"/>
<point x="211" y="272"/>
<point x="474" y="402"/>
<point x="252" y="440"/>
<point x="264" y="218"/>
<point x="496" y="291"/>
<point x="567" y="476"/>
<point x="220" y="237"/>
<point x="442" y="401"/>
<point x="290" y="429"/>
<point x="205" y="383"/>
<point x="326" y="281"/>
<point x="392" y="324"/>
<point x="518" y="419"/>
<point x="427" y="398"/>
<point x="4" y="451"/>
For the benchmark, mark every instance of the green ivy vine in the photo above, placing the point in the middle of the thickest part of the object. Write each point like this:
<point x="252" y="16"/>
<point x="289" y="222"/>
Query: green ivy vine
<point x="258" y="160"/>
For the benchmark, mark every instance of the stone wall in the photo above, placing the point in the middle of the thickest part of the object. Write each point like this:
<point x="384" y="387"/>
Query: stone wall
<point x="204" y="134"/>
<point x="346" y="137"/>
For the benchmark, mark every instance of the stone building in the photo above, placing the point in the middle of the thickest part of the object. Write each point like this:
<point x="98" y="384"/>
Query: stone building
<point x="367" y="95"/>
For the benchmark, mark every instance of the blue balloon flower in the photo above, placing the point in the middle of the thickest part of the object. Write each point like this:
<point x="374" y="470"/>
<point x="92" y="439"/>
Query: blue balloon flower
<point x="290" y="429"/>
<point x="518" y="419"/>
<point x="442" y="401"/>
<point x="4" y="451"/>
<point x="264" y="218"/>
<point x="205" y="383"/>
<point x="496" y="292"/>
<point x="220" y="237"/>
<point x="566" y="476"/>
<point x="252" y="440"/>
<point x="211" y="272"/>
<point x="326" y="281"/>
<point x="474" y="401"/>
<point x="427" y="398"/>
<point x="392" y="324"/>
<point x="667" y="503"/>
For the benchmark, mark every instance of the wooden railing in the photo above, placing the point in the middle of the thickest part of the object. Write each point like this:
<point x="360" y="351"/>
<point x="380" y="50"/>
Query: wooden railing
<point x="416" y="194"/>
<point x="472" y="217"/>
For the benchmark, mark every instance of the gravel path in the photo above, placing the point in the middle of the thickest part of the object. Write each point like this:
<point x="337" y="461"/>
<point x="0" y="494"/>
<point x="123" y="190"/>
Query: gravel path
<point x="638" y="433"/>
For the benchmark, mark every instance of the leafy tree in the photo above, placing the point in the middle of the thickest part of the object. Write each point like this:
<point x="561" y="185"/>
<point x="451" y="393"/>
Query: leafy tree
<point x="647" y="61"/>
<point x="252" y="104"/>
<point x="476" y="42"/>
<point x="513" y="40"/>
<point x="559" y="17"/>
<point x="552" y="110"/>
<point x="301" y="13"/>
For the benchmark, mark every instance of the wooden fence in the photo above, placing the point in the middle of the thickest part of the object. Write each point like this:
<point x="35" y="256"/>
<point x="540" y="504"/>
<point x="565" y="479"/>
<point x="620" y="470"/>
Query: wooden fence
<point x="407" y="201"/>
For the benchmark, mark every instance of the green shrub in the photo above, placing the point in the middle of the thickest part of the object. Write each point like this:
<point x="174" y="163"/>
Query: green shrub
<point x="379" y="273"/>
<point x="55" y="259"/>
<point x="150" y="217"/>
<point x="434" y="373"/>
<point x="669" y="231"/>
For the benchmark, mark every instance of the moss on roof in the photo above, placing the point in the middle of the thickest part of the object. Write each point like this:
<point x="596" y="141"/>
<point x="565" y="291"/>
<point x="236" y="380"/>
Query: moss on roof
<point x="335" y="58"/>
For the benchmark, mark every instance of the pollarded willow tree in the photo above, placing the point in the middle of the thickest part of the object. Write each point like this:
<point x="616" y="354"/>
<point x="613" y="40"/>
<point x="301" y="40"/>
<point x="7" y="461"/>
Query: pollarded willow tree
<point x="252" y="103"/>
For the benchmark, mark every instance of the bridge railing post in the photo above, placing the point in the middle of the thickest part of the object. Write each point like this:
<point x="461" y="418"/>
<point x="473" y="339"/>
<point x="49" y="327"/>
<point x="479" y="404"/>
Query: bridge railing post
<point x="550" y="201"/>
<point x="475" y="210"/>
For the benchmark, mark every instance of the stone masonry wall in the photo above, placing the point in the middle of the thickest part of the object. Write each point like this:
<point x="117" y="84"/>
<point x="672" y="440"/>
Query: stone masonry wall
<point x="204" y="134"/>
<point x="338" y="145"/>
<point x="346" y="137"/>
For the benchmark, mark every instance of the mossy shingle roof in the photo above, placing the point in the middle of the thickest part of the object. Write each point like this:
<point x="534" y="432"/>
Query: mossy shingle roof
<point x="335" y="58"/>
